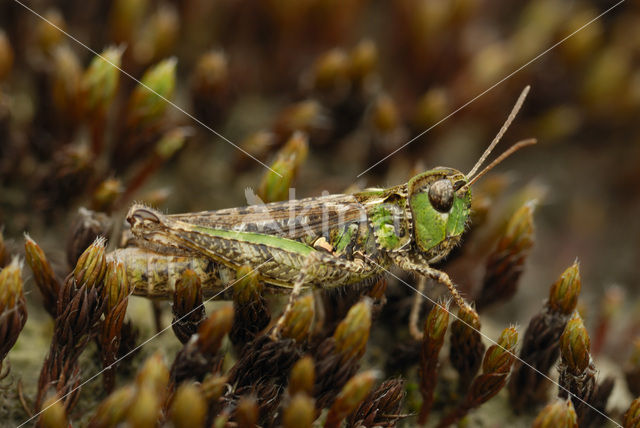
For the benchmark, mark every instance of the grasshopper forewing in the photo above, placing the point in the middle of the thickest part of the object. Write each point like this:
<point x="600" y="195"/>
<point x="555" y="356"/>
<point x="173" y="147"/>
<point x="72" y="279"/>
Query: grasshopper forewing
<point x="281" y="236"/>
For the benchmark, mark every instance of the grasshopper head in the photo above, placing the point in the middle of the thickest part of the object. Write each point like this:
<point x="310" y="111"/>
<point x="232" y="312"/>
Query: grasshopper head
<point x="440" y="199"/>
<point x="440" y="203"/>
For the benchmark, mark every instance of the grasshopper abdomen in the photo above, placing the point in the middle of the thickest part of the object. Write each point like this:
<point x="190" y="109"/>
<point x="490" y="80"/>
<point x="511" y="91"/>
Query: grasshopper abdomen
<point x="154" y="275"/>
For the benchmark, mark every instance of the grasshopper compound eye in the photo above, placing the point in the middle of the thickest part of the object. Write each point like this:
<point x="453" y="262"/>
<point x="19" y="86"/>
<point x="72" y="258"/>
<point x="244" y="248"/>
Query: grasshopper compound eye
<point x="441" y="195"/>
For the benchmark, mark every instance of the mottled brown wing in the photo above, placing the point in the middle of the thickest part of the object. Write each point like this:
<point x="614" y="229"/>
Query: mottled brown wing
<point x="295" y="219"/>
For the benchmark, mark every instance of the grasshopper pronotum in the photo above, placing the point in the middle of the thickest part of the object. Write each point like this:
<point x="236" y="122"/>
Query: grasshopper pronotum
<point x="323" y="242"/>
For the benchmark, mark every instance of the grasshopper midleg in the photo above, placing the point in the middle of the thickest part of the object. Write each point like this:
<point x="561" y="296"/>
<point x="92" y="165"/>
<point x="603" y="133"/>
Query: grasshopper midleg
<point x="333" y="240"/>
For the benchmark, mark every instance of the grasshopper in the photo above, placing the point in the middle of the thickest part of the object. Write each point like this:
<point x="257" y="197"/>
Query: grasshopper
<point x="321" y="242"/>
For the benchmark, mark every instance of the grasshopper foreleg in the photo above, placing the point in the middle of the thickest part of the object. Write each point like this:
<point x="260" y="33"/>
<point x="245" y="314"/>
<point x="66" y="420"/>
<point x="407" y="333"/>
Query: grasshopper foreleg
<point x="436" y="275"/>
<point x="415" y="309"/>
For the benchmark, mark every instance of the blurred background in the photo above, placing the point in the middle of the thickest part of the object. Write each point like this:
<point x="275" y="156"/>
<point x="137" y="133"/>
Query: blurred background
<point x="359" y="79"/>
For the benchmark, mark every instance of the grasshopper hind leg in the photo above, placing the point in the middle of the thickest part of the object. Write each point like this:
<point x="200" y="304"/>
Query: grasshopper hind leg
<point x="295" y="293"/>
<point x="316" y="267"/>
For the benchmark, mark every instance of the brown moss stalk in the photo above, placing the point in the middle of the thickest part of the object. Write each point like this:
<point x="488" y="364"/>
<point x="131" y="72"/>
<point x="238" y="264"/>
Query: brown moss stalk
<point x="79" y="308"/>
<point x="143" y="118"/>
<point x="188" y="407"/>
<point x="115" y="294"/>
<point x="97" y="91"/>
<point x="250" y="308"/>
<point x="6" y="56"/>
<point x="302" y="377"/>
<point x="199" y="355"/>
<point x="46" y="281"/>
<point x="337" y="356"/>
<point x="506" y="262"/>
<point x="86" y="227"/>
<point x="188" y="309"/>
<point x="4" y="253"/>
<point x="247" y="412"/>
<point x="300" y="412"/>
<point x="560" y="413"/>
<point x="435" y="328"/>
<point x="262" y="370"/>
<point x="166" y="147"/>
<point x="632" y="415"/>
<point x="382" y="407"/>
<point x="297" y="323"/>
<point x="495" y="370"/>
<point x="152" y="386"/>
<point x="467" y="348"/>
<point x="210" y="87"/>
<point x="577" y="369"/>
<point x="13" y="307"/>
<point x="290" y="157"/>
<point x="113" y="409"/>
<point x="351" y="395"/>
<point x="541" y="344"/>
<point x="53" y="415"/>
<point x="632" y="368"/>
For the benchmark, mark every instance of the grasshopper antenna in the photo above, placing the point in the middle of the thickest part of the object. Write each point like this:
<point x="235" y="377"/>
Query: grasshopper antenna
<point x="496" y="140"/>
<point x="511" y="150"/>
